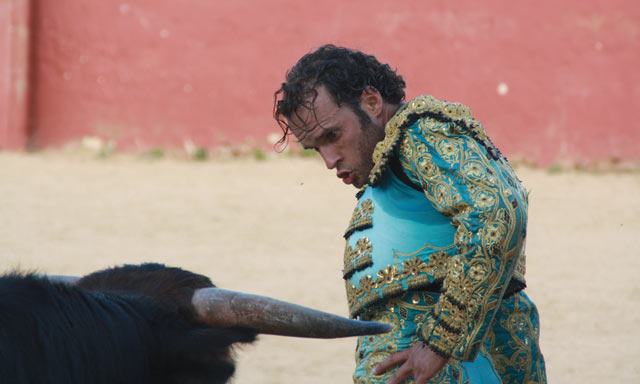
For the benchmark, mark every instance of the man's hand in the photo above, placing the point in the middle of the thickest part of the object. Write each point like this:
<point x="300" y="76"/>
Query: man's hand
<point x="418" y="361"/>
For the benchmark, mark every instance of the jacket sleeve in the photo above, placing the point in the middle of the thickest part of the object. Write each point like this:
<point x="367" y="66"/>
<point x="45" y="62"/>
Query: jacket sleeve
<point x="487" y="205"/>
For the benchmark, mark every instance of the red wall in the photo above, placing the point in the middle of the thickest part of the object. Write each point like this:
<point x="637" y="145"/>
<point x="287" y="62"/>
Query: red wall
<point x="14" y="73"/>
<point x="157" y="72"/>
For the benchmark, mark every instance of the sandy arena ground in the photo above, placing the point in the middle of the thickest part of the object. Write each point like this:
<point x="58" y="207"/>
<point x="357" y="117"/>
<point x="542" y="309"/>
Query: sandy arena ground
<point x="274" y="228"/>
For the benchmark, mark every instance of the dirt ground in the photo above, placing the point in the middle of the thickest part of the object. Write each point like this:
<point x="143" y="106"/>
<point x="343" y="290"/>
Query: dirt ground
<point x="274" y="228"/>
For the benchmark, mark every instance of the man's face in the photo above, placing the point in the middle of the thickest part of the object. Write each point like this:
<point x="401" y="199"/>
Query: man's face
<point x="338" y="135"/>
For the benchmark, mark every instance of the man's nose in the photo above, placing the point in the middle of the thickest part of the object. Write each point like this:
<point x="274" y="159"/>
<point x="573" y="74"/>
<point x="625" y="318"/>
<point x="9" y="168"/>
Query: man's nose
<point x="331" y="158"/>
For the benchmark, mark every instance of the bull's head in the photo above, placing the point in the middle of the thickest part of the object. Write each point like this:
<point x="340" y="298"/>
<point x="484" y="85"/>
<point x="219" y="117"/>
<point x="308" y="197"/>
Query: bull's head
<point x="222" y="308"/>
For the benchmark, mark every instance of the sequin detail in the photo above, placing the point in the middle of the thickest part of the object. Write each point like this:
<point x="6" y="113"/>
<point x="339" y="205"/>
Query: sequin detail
<point x="357" y="258"/>
<point x="388" y="282"/>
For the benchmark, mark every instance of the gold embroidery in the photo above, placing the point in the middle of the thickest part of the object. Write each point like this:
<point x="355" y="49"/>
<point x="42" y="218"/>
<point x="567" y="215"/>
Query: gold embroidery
<point x="443" y="149"/>
<point x="390" y="290"/>
<point x="474" y="170"/>
<point x="358" y="258"/>
<point x="513" y="342"/>
<point x="464" y="184"/>
<point x="382" y="151"/>
<point x="415" y="272"/>
<point x="478" y="272"/>
<point x="404" y="315"/>
<point x="483" y="200"/>
<point x="442" y="340"/>
<point x="361" y="218"/>
<point x="449" y="149"/>
<point x="429" y="107"/>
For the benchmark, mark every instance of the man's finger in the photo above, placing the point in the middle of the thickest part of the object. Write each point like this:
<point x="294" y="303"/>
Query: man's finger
<point x="401" y="375"/>
<point x="391" y="361"/>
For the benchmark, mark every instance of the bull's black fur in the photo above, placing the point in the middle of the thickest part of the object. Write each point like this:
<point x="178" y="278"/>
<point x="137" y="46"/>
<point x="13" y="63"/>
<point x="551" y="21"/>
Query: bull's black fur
<point x="131" y="324"/>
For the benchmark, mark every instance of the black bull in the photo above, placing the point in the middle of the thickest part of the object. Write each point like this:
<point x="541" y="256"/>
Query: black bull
<point x="140" y="324"/>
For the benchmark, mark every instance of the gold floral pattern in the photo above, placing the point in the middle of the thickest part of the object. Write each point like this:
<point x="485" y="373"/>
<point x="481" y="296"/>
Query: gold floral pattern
<point x="447" y="152"/>
<point x="404" y="313"/>
<point x="361" y="218"/>
<point x="382" y="151"/>
<point x="478" y="272"/>
<point x="493" y="233"/>
<point x="513" y="342"/>
<point x="416" y="109"/>
<point x="484" y="200"/>
<point x="474" y="169"/>
<point x="358" y="258"/>
<point x="449" y="149"/>
<point x="460" y="187"/>
<point x="415" y="272"/>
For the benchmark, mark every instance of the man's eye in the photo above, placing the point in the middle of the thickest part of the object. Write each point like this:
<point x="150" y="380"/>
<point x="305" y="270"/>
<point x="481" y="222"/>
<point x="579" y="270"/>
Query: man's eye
<point x="332" y="134"/>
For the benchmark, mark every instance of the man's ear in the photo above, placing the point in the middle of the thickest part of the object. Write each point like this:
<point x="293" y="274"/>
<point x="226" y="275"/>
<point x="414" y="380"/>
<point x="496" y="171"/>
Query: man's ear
<point x="371" y="101"/>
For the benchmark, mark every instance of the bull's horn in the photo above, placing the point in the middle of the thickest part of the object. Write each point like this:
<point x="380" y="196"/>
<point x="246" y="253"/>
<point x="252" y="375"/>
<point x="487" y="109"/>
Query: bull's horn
<point x="222" y="308"/>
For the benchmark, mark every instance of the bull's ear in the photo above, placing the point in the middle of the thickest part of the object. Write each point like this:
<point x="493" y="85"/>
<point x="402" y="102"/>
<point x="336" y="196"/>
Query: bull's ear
<point x="221" y="308"/>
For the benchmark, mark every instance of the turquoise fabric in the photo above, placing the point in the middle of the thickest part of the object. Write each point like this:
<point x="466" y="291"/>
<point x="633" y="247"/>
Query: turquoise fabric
<point x="404" y="314"/>
<point x="411" y="228"/>
<point x="511" y="351"/>
<point x="444" y="264"/>
<point x="513" y="341"/>
<point x="487" y="204"/>
<point x="463" y="230"/>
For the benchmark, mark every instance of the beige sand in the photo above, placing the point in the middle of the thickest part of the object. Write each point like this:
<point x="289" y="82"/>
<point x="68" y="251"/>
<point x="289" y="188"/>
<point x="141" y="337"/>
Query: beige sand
<point x="273" y="228"/>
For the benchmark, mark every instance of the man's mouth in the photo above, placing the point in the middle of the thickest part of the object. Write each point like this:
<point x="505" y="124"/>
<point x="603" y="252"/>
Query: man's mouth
<point x="345" y="176"/>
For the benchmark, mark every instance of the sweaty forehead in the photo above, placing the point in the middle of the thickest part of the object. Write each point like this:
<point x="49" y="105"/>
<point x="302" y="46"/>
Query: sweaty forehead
<point x="303" y="118"/>
<point x="318" y="111"/>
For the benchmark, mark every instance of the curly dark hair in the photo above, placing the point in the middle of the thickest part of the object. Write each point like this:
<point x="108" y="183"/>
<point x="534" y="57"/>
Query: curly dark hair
<point x="344" y="72"/>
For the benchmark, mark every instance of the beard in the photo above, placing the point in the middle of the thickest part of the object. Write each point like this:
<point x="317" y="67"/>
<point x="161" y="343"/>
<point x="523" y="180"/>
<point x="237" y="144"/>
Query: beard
<point x="372" y="133"/>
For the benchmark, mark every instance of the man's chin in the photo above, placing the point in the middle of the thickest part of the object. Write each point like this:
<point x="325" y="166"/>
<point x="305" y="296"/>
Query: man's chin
<point x="359" y="180"/>
<point x="357" y="184"/>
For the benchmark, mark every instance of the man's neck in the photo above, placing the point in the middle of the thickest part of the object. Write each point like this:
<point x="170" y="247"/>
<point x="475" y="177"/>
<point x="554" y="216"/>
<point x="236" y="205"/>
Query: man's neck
<point x="388" y="110"/>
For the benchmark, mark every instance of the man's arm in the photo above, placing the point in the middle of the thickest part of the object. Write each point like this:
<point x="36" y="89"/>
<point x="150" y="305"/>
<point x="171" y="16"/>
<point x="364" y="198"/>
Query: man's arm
<point x="485" y="204"/>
